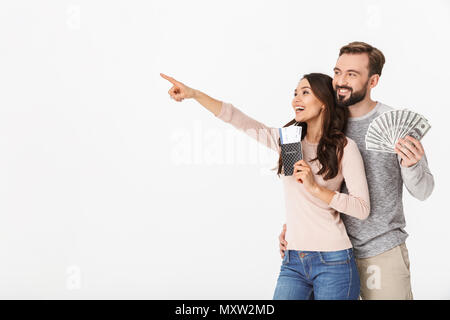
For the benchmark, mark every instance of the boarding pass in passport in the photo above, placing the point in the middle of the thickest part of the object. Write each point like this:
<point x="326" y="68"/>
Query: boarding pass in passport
<point x="291" y="147"/>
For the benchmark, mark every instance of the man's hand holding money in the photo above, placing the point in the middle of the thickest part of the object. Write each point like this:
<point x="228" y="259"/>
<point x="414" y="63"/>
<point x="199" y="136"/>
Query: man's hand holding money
<point x="410" y="150"/>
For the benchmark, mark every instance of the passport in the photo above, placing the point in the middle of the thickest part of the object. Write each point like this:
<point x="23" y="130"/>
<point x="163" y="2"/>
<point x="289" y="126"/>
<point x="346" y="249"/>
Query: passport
<point x="291" y="148"/>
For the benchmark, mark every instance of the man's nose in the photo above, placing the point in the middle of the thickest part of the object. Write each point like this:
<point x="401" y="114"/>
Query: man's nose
<point x="341" y="81"/>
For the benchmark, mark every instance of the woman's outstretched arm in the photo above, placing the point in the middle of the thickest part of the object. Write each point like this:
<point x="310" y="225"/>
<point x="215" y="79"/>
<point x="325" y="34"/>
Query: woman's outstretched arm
<point x="228" y="113"/>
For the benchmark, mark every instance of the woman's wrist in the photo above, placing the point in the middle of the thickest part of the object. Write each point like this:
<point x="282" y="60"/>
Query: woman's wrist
<point x="316" y="190"/>
<point x="322" y="193"/>
<point x="195" y="93"/>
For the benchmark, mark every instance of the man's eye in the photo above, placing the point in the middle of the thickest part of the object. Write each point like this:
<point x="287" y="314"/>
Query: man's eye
<point x="352" y="74"/>
<point x="295" y="94"/>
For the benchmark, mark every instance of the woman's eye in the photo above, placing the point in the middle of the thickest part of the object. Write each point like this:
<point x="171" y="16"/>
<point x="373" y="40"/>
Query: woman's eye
<point x="305" y="92"/>
<point x="295" y="94"/>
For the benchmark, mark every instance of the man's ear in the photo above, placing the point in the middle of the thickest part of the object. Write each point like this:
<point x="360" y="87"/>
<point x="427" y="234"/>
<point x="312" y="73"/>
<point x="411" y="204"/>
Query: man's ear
<point x="373" y="80"/>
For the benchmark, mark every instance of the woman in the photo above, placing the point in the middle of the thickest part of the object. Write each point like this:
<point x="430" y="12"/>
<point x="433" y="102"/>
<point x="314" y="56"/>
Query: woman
<point x="319" y="261"/>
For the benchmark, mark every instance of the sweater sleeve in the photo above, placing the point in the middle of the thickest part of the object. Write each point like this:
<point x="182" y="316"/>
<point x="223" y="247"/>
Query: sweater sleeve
<point x="357" y="202"/>
<point x="418" y="178"/>
<point x="268" y="136"/>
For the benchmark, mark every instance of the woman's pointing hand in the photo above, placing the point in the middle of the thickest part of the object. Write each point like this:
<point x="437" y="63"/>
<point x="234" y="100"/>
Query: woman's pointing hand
<point x="179" y="91"/>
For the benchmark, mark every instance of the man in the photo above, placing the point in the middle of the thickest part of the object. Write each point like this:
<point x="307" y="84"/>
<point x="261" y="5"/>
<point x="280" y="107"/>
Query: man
<point x="378" y="241"/>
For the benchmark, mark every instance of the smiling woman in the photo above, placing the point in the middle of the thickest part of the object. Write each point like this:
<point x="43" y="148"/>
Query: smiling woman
<point x="314" y="103"/>
<point x="312" y="196"/>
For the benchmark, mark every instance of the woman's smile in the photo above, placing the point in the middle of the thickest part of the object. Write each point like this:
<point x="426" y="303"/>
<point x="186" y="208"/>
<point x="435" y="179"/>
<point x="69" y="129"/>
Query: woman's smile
<point x="299" y="109"/>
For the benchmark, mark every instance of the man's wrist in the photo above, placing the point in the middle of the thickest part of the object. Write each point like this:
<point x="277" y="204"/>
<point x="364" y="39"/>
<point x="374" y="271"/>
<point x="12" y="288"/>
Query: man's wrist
<point x="410" y="166"/>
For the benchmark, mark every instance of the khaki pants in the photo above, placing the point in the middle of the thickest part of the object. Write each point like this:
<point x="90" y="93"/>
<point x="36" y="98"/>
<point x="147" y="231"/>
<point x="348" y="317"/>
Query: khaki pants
<point x="386" y="276"/>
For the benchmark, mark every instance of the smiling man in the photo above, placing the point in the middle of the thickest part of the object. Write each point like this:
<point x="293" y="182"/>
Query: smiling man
<point x="378" y="241"/>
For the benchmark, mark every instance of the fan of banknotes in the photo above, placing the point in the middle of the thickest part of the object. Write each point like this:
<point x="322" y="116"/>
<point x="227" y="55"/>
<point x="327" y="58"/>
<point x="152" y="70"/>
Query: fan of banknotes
<point x="385" y="130"/>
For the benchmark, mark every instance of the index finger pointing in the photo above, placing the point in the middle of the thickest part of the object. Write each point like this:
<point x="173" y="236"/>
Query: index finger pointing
<point x="170" y="79"/>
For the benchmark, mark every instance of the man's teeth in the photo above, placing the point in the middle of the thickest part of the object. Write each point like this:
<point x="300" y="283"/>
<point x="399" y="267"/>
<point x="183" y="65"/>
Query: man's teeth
<point x="343" y="90"/>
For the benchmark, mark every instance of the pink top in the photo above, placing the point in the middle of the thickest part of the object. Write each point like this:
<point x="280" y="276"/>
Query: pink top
<point x="312" y="224"/>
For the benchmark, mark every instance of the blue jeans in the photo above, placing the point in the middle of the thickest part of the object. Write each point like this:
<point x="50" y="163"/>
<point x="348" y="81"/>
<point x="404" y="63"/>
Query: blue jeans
<point x="319" y="275"/>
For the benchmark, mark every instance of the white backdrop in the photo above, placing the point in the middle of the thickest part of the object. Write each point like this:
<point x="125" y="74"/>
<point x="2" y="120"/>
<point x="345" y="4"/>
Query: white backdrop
<point x="110" y="189"/>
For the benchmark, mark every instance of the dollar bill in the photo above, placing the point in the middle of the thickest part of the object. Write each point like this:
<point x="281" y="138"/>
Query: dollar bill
<point x="385" y="130"/>
<point x="419" y="130"/>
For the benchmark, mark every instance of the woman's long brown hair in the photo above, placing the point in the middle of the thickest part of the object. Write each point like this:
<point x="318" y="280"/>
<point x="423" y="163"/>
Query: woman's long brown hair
<point x="331" y="145"/>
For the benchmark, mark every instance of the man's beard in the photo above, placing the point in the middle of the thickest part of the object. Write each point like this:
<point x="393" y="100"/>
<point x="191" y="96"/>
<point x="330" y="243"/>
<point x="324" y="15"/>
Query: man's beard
<point x="355" y="97"/>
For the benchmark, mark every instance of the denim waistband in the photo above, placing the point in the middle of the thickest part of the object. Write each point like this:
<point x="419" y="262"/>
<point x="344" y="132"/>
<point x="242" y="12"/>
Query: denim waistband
<point x="304" y="254"/>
